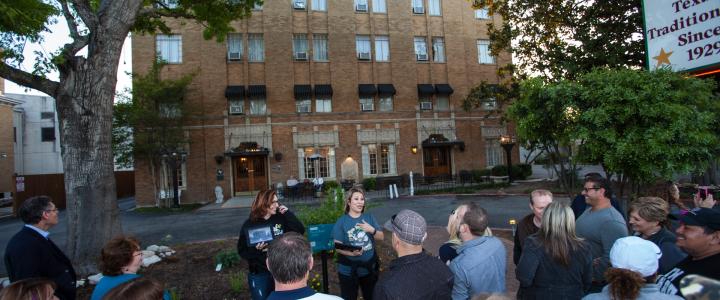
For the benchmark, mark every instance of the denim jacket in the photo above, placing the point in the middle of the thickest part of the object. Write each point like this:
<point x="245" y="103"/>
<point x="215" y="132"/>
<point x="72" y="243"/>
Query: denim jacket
<point x="479" y="268"/>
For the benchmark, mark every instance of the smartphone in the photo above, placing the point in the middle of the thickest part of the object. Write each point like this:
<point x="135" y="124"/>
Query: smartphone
<point x="703" y="192"/>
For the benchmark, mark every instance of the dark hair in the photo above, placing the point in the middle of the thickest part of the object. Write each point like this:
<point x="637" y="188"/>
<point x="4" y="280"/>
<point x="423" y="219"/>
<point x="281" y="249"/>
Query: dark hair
<point x="27" y="289"/>
<point x="116" y="254"/>
<point x="32" y="209"/>
<point x="289" y="257"/>
<point x="140" y="288"/>
<point x="599" y="181"/>
<point x="262" y="203"/>
<point x="476" y="219"/>
<point x="350" y="192"/>
<point x="625" y="284"/>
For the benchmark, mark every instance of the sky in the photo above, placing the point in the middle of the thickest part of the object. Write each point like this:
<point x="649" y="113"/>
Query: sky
<point x="54" y="40"/>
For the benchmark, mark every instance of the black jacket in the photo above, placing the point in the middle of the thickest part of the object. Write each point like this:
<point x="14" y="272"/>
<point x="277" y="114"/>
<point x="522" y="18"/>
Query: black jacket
<point x="280" y="223"/>
<point x="29" y="254"/>
<point x="417" y="276"/>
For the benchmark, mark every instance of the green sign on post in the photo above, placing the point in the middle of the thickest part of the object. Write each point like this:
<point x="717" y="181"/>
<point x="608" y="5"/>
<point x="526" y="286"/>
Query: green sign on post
<point x="320" y="237"/>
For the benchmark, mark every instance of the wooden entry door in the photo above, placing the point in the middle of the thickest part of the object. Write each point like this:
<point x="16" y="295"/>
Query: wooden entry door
<point x="437" y="161"/>
<point x="250" y="173"/>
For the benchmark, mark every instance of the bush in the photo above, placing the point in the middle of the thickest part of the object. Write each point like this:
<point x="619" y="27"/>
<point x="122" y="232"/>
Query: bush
<point x="526" y="170"/>
<point x="499" y="170"/>
<point x="227" y="258"/>
<point x="330" y="185"/>
<point x="328" y="212"/>
<point x="479" y="175"/>
<point x="369" y="184"/>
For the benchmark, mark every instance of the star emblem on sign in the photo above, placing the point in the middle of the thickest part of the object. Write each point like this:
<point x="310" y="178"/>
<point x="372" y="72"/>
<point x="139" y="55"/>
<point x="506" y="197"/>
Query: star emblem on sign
<point x="663" y="57"/>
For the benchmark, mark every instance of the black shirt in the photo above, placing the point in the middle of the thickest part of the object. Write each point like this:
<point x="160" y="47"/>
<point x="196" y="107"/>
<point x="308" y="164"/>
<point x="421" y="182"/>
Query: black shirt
<point x="669" y="283"/>
<point x="416" y="276"/>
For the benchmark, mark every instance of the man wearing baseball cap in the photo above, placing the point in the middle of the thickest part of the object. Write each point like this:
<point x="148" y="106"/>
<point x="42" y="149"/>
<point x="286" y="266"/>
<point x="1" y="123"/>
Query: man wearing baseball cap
<point x="414" y="274"/>
<point x="699" y="236"/>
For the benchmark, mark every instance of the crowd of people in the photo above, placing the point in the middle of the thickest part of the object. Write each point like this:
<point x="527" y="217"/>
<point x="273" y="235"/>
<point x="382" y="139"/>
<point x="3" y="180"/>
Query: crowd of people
<point x="558" y="254"/>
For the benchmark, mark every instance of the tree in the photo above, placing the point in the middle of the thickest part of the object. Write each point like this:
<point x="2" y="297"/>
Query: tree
<point x="85" y="91"/>
<point x="149" y="123"/>
<point x="566" y="38"/>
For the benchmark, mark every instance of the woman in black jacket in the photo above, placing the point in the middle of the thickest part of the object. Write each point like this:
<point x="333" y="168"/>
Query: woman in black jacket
<point x="268" y="219"/>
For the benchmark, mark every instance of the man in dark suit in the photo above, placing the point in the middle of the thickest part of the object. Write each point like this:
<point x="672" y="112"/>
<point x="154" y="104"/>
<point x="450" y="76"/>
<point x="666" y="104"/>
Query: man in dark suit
<point x="30" y="253"/>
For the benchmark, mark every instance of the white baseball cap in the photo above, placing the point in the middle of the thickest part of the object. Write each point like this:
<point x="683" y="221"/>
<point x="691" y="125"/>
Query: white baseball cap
<point x="635" y="254"/>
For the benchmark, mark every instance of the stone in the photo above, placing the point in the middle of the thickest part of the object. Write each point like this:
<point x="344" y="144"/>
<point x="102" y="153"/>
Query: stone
<point x="153" y="248"/>
<point x="150" y="260"/>
<point x="147" y="253"/>
<point x="94" y="279"/>
<point x="163" y="249"/>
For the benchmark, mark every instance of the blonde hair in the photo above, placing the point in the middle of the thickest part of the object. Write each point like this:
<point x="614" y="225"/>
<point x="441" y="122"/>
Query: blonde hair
<point x="652" y="209"/>
<point x="454" y="225"/>
<point x="28" y="289"/>
<point x="557" y="232"/>
<point x="539" y="193"/>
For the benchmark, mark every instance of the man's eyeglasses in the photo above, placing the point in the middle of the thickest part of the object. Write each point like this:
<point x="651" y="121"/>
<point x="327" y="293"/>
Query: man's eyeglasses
<point x="590" y="188"/>
<point x="452" y="212"/>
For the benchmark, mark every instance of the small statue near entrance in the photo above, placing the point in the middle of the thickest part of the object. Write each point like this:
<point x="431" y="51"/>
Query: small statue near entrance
<point x="219" y="194"/>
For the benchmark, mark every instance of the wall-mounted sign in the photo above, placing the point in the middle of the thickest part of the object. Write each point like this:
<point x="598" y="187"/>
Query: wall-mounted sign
<point x="683" y="35"/>
<point x="19" y="184"/>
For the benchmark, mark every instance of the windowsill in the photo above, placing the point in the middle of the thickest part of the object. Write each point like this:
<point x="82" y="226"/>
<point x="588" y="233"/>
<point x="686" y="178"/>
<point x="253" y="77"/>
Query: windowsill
<point x="171" y="63"/>
<point x="365" y="61"/>
<point x="301" y="61"/>
<point x="321" y="61"/>
<point x="253" y="61"/>
<point x="382" y="61"/>
<point x="487" y="64"/>
<point x="235" y="61"/>
<point x="423" y="61"/>
<point x="320" y="11"/>
<point x="440" y="62"/>
<point x="361" y="12"/>
<point x="435" y="16"/>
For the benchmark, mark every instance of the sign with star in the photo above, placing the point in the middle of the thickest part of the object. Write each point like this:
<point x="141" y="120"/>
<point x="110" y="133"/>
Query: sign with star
<point x="683" y="35"/>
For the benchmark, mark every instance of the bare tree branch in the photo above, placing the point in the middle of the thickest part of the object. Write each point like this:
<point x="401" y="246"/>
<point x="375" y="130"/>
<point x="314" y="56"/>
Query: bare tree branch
<point x="26" y="79"/>
<point x="82" y="7"/>
<point x="70" y="20"/>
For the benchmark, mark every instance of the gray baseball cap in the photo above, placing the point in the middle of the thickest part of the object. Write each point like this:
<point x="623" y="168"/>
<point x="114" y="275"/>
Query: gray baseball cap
<point x="409" y="226"/>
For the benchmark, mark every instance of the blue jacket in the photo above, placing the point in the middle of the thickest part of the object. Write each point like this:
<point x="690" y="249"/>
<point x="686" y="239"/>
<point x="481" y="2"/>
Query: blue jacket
<point x="479" y="268"/>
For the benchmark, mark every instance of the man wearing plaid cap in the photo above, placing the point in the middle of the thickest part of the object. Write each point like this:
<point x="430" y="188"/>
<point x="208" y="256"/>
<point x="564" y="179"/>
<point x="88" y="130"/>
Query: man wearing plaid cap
<point x="479" y="267"/>
<point x="414" y="274"/>
<point x="699" y="236"/>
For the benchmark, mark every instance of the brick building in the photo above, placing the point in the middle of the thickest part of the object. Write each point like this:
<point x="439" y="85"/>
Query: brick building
<point x="338" y="89"/>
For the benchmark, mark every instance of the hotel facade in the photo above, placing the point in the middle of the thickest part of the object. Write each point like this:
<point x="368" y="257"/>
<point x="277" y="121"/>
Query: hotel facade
<point x="338" y="89"/>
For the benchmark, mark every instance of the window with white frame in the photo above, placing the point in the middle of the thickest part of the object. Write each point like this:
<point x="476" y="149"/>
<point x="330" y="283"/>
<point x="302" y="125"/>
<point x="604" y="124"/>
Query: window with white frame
<point x="482" y="14"/>
<point x="493" y="152"/>
<point x="421" y="53"/>
<point x="361" y="5"/>
<point x="425" y="102"/>
<point x="434" y="8"/>
<point x="379" y="6"/>
<point x="362" y="47"/>
<point x="378" y="159"/>
<point x="489" y="104"/>
<point x="299" y="4"/>
<point x="385" y="103"/>
<point x="320" y="47"/>
<point x="235" y="46"/>
<point x="418" y="7"/>
<point x="237" y="106"/>
<point x="256" y="47"/>
<point x="303" y="105"/>
<point x="323" y="104"/>
<point x="366" y="103"/>
<point x="484" y="56"/>
<point x="300" y="46"/>
<point x="169" y="48"/>
<point x="169" y="110"/>
<point x="382" y="48"/>
<point x="438" y="49"/>
<point x="258" y="106"/>
<point x="319" y="5"/>
<point x="442" y="103"/>
<point x="316" y="162"/>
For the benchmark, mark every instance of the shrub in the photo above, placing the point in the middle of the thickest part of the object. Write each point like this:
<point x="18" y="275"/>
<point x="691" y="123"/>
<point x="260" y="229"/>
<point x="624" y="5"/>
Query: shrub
<point x="330" y="185"/>
<point x="479" y="175"/>
<point x="237" y="282"/>
<point x="499" y="170"/>
<point x="329" y="211"/>
<point x="227" y="258"/>
<point x="526" y="170"/>
<point x="369" y="184"/>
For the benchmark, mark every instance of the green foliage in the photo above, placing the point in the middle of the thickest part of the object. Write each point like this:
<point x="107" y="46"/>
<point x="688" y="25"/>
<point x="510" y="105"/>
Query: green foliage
<point x="369" y="184"/>
<point x="330" y="185"/>
<point x="462" y="189"/>
<point x="22" y="21"/>
<point x="329" y="211"/>
<point x="237" y="282"/>
<point x="525" y="170"/>
<point x="227" y="258"/>
<point x="314" y="282"/>
<point x="479" y="175"/>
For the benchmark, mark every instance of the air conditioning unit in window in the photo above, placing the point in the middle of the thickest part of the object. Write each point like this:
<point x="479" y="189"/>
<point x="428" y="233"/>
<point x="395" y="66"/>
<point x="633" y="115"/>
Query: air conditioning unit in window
<point x="367" y="106"/>
<point x="236" y="110"/>
<point x="303" y="108"/>
<point x="299" y="5"/>
<point x="301" y="55"/>
<point x="421" y="57"/>
<point x="489" y="105"/>
<point x="419" y="10"/>
<point x="425" y="105"/>
<point x="234" y="56"/>
<point x="361" y="7"/>
<point x="364" y="56"/>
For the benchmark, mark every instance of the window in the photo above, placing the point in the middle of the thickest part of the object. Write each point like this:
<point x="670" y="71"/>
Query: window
<point x="418" y="7"/>
<point x="317" y="162"/>
<point x="438" y="49"/>
<point x="319" y="5"/>
<point x="385" y="103"/>
<point x="484" y="56"/>
<point x="361" y="5"/>
<point x="482" y="14"/>
<point x="303" y="105"/>
<point x="300" y="46"/>
<point x="299" y="4"/>
<point x="168" y="182"/>
<point x="169" y="110"/>
<point x="434" y="8"/>
<point x="378" y="159"/>
<point x="425" y="102"/>
<point x="493" y="152"/>
<point x="47" y="115"/>
<point x="235" y="46"/>
<point x="442" y="103"/>
<point x="256" y="47"/>
<point x="382" y="48"/>
<point x="362" y="47"/>
<point x="258" y="106"/>
<point x="366" y="104"/>
<point x="379" y="6"/>
<point x="47" y="134"/>
<point x="323" y="104"/>
<point x="489" y="104"/>
<point x="237" y="106"/>
<point x="320" y="47"/>
<point x="169" y="48"/>
<point x="421" y="48"/>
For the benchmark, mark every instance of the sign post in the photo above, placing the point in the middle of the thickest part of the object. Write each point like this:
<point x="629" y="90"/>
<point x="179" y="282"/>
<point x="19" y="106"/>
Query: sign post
<point x="321" y="240"/>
